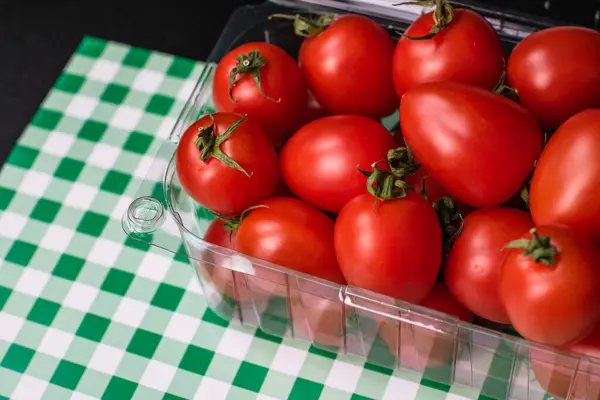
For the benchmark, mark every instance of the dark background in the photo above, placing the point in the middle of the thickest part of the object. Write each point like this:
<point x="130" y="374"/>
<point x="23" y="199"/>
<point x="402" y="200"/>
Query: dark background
<point x="38" y="37"/>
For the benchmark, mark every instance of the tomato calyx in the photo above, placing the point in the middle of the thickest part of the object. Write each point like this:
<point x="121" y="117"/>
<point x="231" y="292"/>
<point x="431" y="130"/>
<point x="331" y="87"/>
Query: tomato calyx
<point x="451" y="220"/>
<point x="442" y="16"/>
<point x="308" y="26"/>
<point x="209" y="144"/>
<point x="248" y="64"/>
<point x="383" y="184"/>
<point x="402" y="162"/>
<point x="232" y="224"/>
<point x="540" y="248"/>
<point x="503" y="89"/>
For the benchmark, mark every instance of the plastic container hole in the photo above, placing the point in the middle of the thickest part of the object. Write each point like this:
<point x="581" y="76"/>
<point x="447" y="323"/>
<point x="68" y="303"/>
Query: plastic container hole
<point x="145" y="215"/>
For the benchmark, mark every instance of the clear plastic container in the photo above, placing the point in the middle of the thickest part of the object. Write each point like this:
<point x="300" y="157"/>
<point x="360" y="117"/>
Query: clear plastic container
<point x="383" y="331"/>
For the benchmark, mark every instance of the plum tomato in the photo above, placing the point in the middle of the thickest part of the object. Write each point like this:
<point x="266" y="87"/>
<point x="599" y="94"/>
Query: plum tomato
<point x="348" y="64"/>
<point x="319" y="162"/>
<point x="550" y="285"/>
<point x="226" y="163"/>
<point x="462" y="48"/>
<point x="392" y="247"/>
<point x="478" y="145"/>
<point x="263" y="81"/>
<point x="472" y="269"/>
<point x="565" y="187"/>
<point x="293" y="234"/>
<point x="556" y="72"/>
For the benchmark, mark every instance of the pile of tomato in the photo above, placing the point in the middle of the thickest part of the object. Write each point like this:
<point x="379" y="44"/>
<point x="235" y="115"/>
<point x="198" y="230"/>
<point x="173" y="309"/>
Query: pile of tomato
<point x="485" y="202"/>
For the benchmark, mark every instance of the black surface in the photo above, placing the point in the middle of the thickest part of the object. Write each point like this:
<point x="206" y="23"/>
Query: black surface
<point x="37" y="39"/>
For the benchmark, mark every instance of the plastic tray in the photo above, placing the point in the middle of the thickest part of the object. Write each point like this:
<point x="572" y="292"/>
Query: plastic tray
<point x="349" y="320"/>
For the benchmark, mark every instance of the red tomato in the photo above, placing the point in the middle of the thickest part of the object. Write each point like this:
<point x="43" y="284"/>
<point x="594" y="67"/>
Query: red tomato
<point x="314" y="110"/>
<point x="555" y="71"/>
<point x="472" y="270"/>
<point x="348" y="67"/>
<point x="241" y="168"/>
<point x="293" y="234"/>
<point x="464" y="137"/>
<point x="467" y="50"/>
<point x="553" y="295"/>
<point x="270" y="89"/>
<point x="221" y="279"/>
<point x="566" y="181"/>
<point x="319" y="162"/>
<point x="426" y="342"/>
<point x="395" y="250"/>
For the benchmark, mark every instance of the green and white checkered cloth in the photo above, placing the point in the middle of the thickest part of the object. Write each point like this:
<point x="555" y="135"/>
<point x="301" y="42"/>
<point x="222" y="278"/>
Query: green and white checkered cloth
<point x="88" y="313"/>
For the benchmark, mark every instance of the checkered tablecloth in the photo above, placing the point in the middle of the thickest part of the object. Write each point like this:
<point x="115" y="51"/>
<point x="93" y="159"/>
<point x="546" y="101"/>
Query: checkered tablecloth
<point x="86" y="312"/>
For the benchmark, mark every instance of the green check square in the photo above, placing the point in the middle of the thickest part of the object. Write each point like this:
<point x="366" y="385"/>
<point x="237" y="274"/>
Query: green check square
<point x="169" y="396"/>
<point x="69" y="83"/>
<point x="67" y="374"/>
<point x="136" y="57"/>
<point x="46" y="119"/>
<point x="17" y="358"/>
<point x="304" y="389"/>
<point x="22" y="156"/>
<point x="4" y="295"/>
<point x="93" y="327"/>
<point x="250" y="376"/>
<point x="117" y="281"/>
<point x="21" y="253"/>
<point x="138" y="143"/>
<point x="69" y="169"/>
<point x="167" y="296"/>
<point x="114" y="93"/>
<point x="119" y="389"/>
<point x="359" y="397"/>
<point x="196" y="359"/>
<point x="210" y="316"/>
<point x="181" y="67"/>
<point x="137" y="244"/>
<point x="6" y="196"/>
<point x="91" y="47"/>
<point x="43" y="312"/>
<point x="92" y="130"/>
<point x="92" y="224"/>
<point x="68" y="267"/>
<point x="115" y="182"/>
<point x="160" y="104"/>
<point x="144" y="343"/>
<point x="45" y="210"/>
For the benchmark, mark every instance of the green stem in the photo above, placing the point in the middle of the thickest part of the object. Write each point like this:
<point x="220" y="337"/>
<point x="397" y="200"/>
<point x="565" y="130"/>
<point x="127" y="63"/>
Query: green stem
<point x="451" y="220"/>
<point x="248" y="64"/>
<point x="307" y="26"/>
<point x="209" y="144"/>
<point x="443" y="14"/>
<point x="232" y="224"/>
<point x="540" y="248"/>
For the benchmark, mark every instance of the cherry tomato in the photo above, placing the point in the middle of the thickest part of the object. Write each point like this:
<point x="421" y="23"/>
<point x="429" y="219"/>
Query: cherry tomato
<point x="467" y="50"/>
<point x="551" y="288"/>
<point x="472" y="269"/>
<point x="395" y="249"/>
<point x="477" y="145"/>
<point x="269" y="87"/>
<point x="565" y="187"/>
<point x="426" y="342"/>
<point x="293" y="234"/>
<point x="348" y="67"/>
<point x="555" y="71"/>
<point x="226" y="163"/>
<point x="319" y="162"/>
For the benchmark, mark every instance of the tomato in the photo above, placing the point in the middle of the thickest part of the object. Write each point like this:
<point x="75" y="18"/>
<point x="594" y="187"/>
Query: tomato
<point x="472" y="269"/>
<point x="565" y="187"/>
<point x="551" y="289"/>
<point x="241" y="167"/>
<point x="477" y="145"/>
<point x="555" y="71"/>
<point x="348" y="67"/>
<point x="425" y="342"/>
<point x="319" y="162"/>
<point x="467" y="50"/>
<point x="395" y="249"/>
<point x="271" y="89"/>
<point x="293" y="234"/>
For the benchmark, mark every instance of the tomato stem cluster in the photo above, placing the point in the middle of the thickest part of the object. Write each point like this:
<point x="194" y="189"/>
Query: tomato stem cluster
<point x="248" y="64"/>
<point x="308" y="26"/>
<point x="442" y="16"/>
<point x="540" y="248"/>
<point x="209" y="144"/>
<point x="231" y="224"/>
